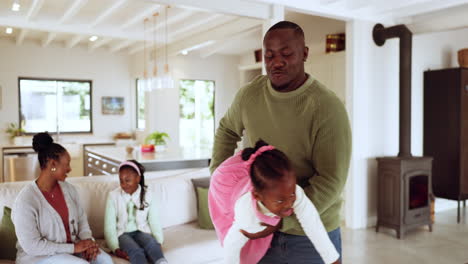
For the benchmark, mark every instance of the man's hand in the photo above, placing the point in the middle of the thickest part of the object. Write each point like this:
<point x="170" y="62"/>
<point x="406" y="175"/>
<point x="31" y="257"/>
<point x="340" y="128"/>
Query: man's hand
<point x="92" y="252"/>
<point x="264" y="233"/>
<point x="337" y="262"/>
<point x="121" y="254"/>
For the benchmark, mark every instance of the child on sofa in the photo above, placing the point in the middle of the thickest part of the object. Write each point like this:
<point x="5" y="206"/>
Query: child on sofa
<point x="257" y="188"/>
<point x="132" y="228"/>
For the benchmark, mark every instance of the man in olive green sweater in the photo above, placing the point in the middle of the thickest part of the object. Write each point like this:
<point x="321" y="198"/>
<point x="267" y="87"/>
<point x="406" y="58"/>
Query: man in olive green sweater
<point x="292" y="111"/>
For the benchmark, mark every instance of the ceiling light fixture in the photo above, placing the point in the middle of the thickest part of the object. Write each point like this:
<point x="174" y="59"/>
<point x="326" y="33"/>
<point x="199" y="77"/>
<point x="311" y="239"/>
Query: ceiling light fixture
<point x="145" y="81"/>
<point x="16" y="6"/>
<point x="167" y="82"/>
<point x="9" y="30"/>
<point x="184" y="52"/>
<point x="154" y="80"/>
<point x="93" y="38"/>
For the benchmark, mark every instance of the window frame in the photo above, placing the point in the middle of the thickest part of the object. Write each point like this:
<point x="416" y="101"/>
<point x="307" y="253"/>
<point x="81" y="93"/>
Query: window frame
<point x="62" y="80"/>
<point x="136" y="106"/>
<point x="214" y="99"/>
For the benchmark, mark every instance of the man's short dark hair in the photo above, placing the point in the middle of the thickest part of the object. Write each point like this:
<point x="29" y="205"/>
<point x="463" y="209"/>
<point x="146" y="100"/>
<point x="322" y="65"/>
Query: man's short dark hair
<point x="287" y="25"/>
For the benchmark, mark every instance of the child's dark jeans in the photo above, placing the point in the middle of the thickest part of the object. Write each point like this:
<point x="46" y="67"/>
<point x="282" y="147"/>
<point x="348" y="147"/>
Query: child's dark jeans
<point x="139" y="245"/>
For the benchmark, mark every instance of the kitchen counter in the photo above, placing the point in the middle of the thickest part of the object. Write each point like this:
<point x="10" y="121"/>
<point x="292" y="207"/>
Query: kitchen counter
<point x="104" y="160"/>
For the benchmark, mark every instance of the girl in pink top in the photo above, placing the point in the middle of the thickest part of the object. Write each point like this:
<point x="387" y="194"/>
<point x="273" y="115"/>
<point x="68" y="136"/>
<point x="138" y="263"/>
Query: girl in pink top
<point x="253" y="191"/>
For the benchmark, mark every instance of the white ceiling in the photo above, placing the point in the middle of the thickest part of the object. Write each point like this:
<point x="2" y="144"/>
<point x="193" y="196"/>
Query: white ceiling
<point x="208" y="26"/>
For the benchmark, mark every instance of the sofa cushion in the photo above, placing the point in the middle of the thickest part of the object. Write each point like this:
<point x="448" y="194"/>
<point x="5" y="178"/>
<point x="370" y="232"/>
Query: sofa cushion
<point x="201" y="182"/>
<point x="201" y="186"/>
<point x="204" y="218"/>
<point x="189" y="244"/>
<point x="8" y="236"/>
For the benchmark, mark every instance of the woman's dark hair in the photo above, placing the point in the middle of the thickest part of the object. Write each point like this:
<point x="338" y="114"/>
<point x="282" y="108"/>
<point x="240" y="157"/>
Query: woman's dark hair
<point x="46" y="149"/>
<point x="143" y="203"/>
<point x="269" y="165"/>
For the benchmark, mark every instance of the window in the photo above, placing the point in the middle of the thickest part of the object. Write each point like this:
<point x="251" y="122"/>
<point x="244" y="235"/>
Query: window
<point x="140" y="105"/>
<point x="55" y="105"/>
<point x="196" y="113"/>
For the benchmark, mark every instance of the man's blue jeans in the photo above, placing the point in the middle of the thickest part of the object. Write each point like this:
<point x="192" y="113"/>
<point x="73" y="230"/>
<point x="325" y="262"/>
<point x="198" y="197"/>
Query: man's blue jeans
<point x="138" y="245"/>
<point x="287" y="248"/>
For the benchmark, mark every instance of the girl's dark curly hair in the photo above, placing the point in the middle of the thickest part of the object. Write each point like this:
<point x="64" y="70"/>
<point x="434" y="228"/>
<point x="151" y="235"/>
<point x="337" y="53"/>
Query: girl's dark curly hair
<point x="270" y="165"/>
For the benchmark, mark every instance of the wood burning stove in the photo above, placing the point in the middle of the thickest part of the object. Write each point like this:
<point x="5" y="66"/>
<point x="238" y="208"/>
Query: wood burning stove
<point x="404" y="182"/>
<point x="403" y="193"/>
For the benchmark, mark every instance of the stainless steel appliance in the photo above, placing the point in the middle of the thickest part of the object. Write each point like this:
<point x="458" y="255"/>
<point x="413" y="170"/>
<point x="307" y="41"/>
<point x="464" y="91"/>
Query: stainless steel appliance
<point x="19" y="164"/>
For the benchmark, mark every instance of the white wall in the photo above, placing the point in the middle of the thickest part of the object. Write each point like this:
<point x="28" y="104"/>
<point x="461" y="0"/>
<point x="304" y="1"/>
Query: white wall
<point x="108" y="71"/>
<point x="373" y="98"/>
<point x="371" y="103"/>
<point x="164" y="104"/>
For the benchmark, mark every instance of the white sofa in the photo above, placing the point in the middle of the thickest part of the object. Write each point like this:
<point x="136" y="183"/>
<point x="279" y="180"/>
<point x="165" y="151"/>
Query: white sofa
<point x="184" y="241"/>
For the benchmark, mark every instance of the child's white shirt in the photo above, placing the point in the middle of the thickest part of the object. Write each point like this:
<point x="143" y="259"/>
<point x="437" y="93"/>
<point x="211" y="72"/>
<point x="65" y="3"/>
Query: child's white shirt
<point x="306" y="213"/>
<point x="116" y="216"/>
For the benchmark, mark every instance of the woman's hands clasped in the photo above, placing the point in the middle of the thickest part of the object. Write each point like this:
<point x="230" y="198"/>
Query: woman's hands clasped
<point x="88" y="247"/>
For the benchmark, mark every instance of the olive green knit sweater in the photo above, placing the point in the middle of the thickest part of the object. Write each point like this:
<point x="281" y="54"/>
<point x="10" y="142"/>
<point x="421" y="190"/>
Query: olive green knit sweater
<point x="310" y="125"/>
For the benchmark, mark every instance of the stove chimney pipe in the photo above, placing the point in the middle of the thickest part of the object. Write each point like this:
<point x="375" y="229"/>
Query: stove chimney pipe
<point x="380" y="34"/>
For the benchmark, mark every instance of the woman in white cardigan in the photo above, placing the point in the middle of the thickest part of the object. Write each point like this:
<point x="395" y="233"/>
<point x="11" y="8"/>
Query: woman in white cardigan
<point x="50" y="223"/>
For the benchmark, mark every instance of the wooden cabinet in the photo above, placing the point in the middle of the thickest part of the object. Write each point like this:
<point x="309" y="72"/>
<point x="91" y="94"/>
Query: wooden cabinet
<point x="446" y="131"/>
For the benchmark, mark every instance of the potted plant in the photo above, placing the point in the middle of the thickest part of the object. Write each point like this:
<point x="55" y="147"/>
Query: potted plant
<point x="157" y="139"/>
<point x="16" y="131"/>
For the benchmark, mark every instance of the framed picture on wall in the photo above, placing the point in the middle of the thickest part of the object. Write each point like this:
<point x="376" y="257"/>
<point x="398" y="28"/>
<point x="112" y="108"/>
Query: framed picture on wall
<point x="113" y="105"/>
